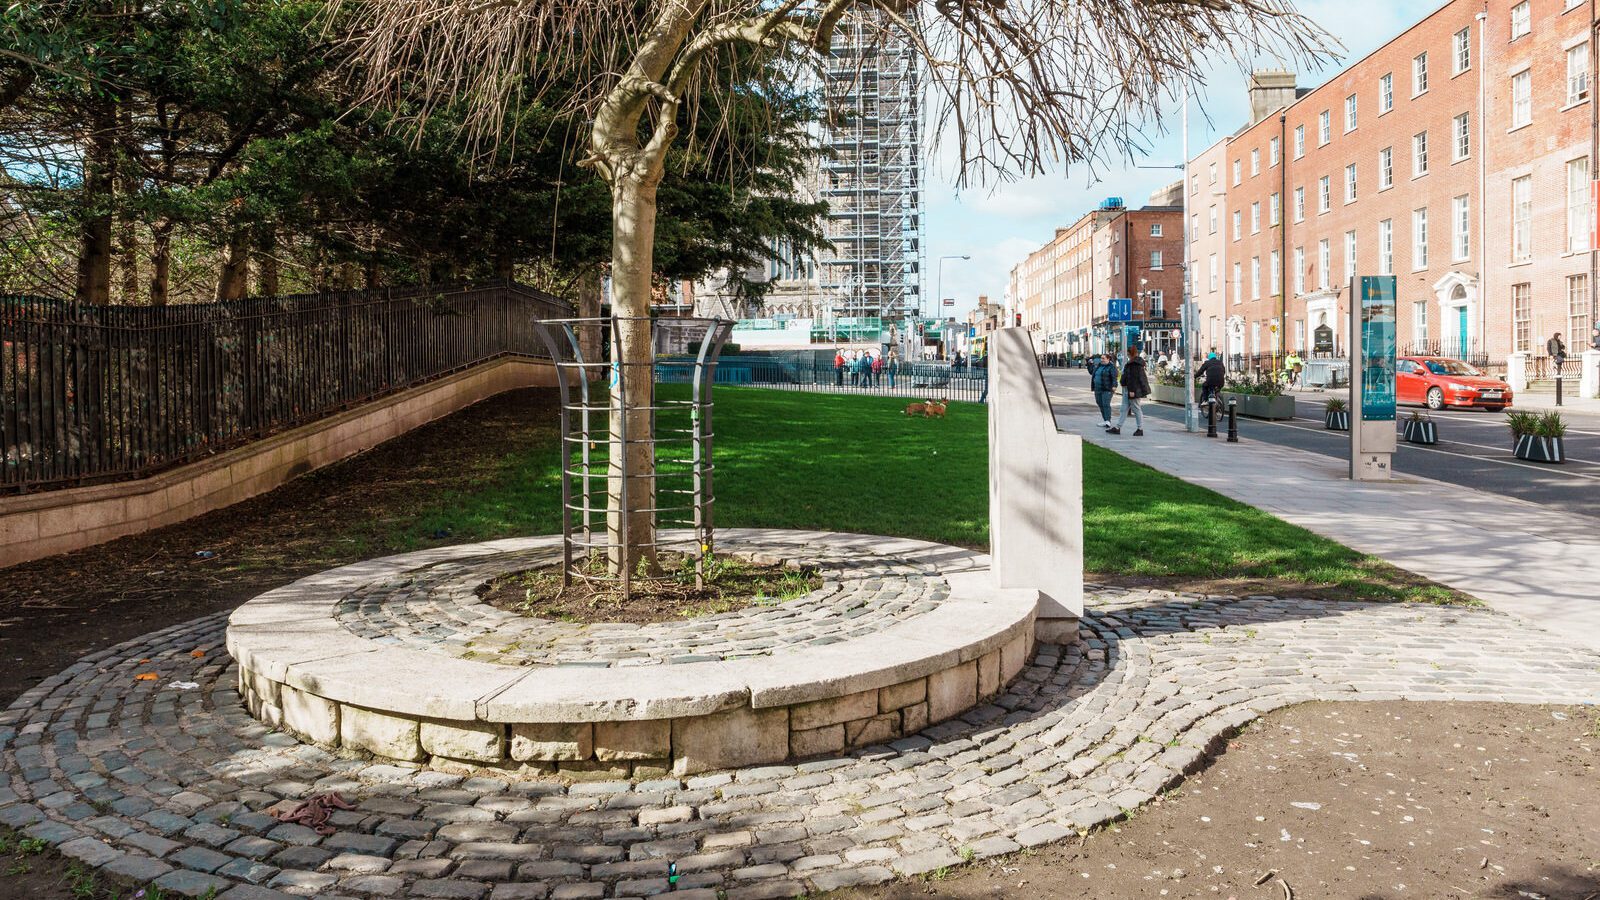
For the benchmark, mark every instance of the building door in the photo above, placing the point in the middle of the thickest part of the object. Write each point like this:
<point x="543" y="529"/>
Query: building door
<point x="1461" y="332"/>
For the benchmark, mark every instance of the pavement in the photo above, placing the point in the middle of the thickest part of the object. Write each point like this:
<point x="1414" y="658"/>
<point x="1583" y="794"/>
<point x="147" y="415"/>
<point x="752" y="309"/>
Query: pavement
<point x="1532" y="560"/>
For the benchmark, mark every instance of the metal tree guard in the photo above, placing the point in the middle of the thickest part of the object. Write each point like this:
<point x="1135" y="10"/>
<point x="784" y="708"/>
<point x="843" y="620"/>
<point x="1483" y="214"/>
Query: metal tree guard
<point x="680" y="441"/>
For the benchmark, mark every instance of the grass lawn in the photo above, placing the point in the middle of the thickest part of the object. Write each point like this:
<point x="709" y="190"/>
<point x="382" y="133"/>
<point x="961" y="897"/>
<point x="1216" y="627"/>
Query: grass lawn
<point x="851" y="463"/>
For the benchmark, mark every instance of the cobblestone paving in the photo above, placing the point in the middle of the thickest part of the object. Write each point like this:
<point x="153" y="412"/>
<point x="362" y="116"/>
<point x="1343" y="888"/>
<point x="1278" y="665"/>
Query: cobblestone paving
<point x="436" y="608"/>
<point x="152" y="782"/>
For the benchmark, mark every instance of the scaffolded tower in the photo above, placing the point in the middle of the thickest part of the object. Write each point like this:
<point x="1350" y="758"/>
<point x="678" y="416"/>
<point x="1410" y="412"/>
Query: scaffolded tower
<point x="873" y="178"/>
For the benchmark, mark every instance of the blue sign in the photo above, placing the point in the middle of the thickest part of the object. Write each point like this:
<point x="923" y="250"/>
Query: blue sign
<point x="972" y="331"/>
<point x="1121" y="310"/>
<point x="1377" y="293"/>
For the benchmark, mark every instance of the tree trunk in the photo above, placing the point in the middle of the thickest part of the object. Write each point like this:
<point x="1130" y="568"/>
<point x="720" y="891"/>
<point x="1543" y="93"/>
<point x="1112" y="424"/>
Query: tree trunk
<point x="128" y="221"/>
<point x="267" y="262"/>
<point x="99" y="182"/>
<point x="629" y="522"/>
<point x="160" y="262"/>
<point x="234" y="281"/>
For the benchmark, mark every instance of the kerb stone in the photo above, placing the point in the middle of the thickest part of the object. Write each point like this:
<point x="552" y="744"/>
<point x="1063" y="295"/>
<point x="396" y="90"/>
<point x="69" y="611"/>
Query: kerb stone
<point x="395" y="737"/>
<point x="477" y="741"/>
<point x="727" y="740"/>
<point x="650" y="739"/>
<point x="833" y="711"/>
<point x="899" y="696"/>
<point x="554" y="742"/>
<point x="952" y="692"/>
<point x="315" y="717"/>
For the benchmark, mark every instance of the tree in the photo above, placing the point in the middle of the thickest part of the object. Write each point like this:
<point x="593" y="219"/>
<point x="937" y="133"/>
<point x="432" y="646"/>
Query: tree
<point x="1019" y="84"/>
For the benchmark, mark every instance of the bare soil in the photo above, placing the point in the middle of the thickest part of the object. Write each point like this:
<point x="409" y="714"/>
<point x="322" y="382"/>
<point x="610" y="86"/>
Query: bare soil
<point x="1368" y="801"/>
<point x="733" y="584"/>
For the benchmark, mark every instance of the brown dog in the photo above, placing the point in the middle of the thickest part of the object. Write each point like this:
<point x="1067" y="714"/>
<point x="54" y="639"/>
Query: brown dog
<point x="926" y="409"/>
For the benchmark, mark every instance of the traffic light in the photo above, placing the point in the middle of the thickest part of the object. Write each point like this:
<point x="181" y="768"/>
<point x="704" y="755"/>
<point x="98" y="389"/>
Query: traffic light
<point x="1019" y="320"/>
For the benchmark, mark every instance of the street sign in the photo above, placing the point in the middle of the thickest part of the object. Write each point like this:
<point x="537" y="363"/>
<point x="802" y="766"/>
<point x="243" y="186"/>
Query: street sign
<point x="972" y="331"/>
<point x="1372" y="371"/>
<point x="1120" y="310"/>
<point x="949" y="301"/>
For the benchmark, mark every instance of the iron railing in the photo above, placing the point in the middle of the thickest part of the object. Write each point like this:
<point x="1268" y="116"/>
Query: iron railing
<point x="101" y="393"/>
<point x="803" y="371"/>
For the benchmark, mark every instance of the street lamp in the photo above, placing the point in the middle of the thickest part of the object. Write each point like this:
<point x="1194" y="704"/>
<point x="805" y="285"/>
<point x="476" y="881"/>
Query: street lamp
<point x="940" y="299"/>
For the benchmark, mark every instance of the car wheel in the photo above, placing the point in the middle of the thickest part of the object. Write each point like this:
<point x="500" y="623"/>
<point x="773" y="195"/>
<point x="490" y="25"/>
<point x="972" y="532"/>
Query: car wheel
<point x="1435" y="399"/>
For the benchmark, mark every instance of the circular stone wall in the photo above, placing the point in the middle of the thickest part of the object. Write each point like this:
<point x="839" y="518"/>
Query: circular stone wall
<point x="397" y="658"/>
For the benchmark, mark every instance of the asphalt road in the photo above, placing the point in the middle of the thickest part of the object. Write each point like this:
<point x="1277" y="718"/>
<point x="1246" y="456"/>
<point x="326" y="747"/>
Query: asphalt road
<point x="1474" y="448"/>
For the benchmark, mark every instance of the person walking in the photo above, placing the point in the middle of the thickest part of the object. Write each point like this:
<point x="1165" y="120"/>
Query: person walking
<point x="877" y="370"/>
<point x="1292" y="365"/>
<point x="1103" y="381"/>
<point x="1212" y="374"/>
<point x="1557" y="351"/>
<point x="892" y="366"/>
<point x="1594" y="339"/>
<point x="1135" y="387"/>
<point x="838" y="367"/>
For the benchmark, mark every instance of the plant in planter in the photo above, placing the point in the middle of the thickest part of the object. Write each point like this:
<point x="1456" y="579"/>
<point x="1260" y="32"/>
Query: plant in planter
<point x="1259" y="397"/>
<point x="1538" y="438"/>
<point x="1420" y="429"/>
<point x="1337" y="414"/>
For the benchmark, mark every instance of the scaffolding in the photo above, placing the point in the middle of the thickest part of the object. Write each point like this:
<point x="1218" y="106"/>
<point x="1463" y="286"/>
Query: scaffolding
<point x="873" y="177"/>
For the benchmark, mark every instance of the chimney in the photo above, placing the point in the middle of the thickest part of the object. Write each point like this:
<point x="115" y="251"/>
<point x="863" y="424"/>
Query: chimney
<point x="1270" y="90"/>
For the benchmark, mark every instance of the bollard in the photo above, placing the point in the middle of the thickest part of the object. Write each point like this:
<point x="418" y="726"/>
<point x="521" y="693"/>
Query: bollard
<point x="1559" y="379"/>
<point x="1211" y="417"/>
<point x="1233" y="421"/>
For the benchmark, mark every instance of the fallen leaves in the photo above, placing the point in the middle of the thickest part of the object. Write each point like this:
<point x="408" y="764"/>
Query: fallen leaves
<point x="146" y="676"/>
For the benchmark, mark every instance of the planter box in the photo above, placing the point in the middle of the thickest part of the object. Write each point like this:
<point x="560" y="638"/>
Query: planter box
<point x="1258" y="407"/>
<point x="1337" y="420"/>
<point x="1540" y="449"/>
<point x="1420" y="431"/>
<point x="1166" y="393"/>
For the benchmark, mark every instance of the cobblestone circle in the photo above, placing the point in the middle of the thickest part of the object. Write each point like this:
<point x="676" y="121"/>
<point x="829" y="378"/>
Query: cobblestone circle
<point x="437" y="608"/>
<point x="151" y="781"/>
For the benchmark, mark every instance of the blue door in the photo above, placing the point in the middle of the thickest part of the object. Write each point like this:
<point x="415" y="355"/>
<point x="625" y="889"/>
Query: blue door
<point x="1461" y="331"/>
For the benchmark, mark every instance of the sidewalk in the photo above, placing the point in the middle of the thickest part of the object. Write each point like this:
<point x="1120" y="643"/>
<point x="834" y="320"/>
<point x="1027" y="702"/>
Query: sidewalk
<point x="1519" y="557"/>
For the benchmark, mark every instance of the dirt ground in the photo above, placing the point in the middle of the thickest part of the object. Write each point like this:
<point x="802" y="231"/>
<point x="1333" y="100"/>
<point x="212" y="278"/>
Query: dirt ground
<point x="1366" y="801"/>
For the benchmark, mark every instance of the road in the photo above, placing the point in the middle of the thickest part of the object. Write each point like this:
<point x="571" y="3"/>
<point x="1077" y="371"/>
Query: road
<point x="1474" y="448"/>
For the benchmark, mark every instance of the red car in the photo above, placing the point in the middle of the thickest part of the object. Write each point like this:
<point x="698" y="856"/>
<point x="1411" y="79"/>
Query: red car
<point x="1438" y="382"/>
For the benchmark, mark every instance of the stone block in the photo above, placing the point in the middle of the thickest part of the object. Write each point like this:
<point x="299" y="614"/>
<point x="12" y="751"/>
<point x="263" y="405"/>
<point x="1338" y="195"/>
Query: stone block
<point x="474" y="741"/>
<point x="989" y="674"/>
<point x="913" y="718"/>
<point x="953" y="691"/>
<point x="552" y="742"/>
<point x="650" y="739"/>
<point x="1014" y="657"/>
<point x="813" y="741"/>
<point x="381" y="734"/>
<point x="900" y="696"/>
<point x="726" y="740"/>
<point x="875" y="730"/>
<point x="316" y="718"/>
<point x="833" y="711"/>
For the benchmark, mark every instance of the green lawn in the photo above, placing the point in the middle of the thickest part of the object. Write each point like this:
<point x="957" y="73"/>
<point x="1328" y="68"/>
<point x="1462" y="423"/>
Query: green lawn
<point x="848" y="463"/>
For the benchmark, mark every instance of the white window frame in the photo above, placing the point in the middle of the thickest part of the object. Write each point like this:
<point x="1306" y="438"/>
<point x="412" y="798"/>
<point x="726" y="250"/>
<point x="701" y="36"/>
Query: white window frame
<point x="1299" y="270"/>
<point x="1577" y="73"/>
<point x="1238" y="172"/>
<point x="1155" y="261"/>
<point x="1324" y="194"/>
<point x="1522" y="219"/>
<point x="1350" y="181"/>
<point x="1351" y="116"/>
<point x="1385" y="93"/>
<point x="1462" y="145"/>
<point x="1324" y="264"/>
<point x="1255" y="217"/>
<point x="1463" y="55"/>
<point x="1385" y="168"/>
<point x="1419" y="238"/>
<point x="1211" y="272"/>
<point x="1155" y="229"/>
<point x="1578" y="306"/>
<point x="1386" y="247"/>
<point x="1238" y="283"/>
<point x="1300" y="203"/>
<point x="1578" y="213"/>
<point x="1521" y="20"/>
<point x="1324" y="128"/>
<point x="1274" y="274"/>
<point x="1255" y="161"/>
<point x="1419" y="74"/>
<point x="1419" y="154"/>
<point x="1238" y="224"/>
<point x="1299" y="141"/>
<point x="1350" y="247"/>
<point x="1255" y="278"/>
<point x="1521" y="95"/>
<point x="1461" y="228"/>
<point x="1274" y="209"/>
<point x="1213" y="219"/>
<point x="1272" y="151"/>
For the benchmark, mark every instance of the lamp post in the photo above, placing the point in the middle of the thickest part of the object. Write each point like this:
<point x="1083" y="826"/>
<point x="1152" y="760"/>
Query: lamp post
<point x="940" y="282"/>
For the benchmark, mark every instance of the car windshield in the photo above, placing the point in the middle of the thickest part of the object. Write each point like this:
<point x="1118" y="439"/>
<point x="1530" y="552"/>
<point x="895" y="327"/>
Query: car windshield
<point x="1450" y="367"/>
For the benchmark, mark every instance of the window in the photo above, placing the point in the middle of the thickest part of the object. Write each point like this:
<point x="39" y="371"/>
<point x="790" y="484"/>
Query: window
<point x="1238" y="224"/>
<point x="1350" y="183"/>
<point x="1238" y="172"/>
<point x="1255" y="278"/>
<point x="1385" y="93"/>
<point x="1521" y="317"/>
<point x="1349" y="255"/>
<point x="1155" y="229"/>
<point x="1522" y="98"/>
<point x="1419" y="322"/>
<point x="1578" y="204"/>
<point x="1463" y="134"/>
<point x="1461" y="228"/>
<point x="1386" y="247"/>
<point x="1211" y="272"/>
<point x="1463" y="55"/>
<point x="1521" y="20"/>
<point x="1255" y="162"/>
<point x="1157" y="305"/>
<point x="1324" y="263"/>
<point x="1522" y="219"/>
<point x="1255" y="217"/>
<point x="1577" y="307"/>
<point x="1419" y="238"/>
<point x="1300" y="335"/>
<point x="1300" y="204"/>
<point x="1419" y="73"/>
<point x="1324" y="128"/>
<point x="1212" y="224"/>
<point x="1350" y="113"/>
<point x="1274" y="275"/>
<point x="1299" y="141"/>
<point x="1194" y="223"/>
<point x="1272" y="152"/>
<point x="1299" y="270"/>
<point x="1322" y="194"/>
<point x="1385" y="168"/>
<point x="1238" y="283"/>
<point x="1155" y="259"/>
<point x="1274" y="209"/>
<point x="1578" y="73"/>
<point x="1419" y="154"/>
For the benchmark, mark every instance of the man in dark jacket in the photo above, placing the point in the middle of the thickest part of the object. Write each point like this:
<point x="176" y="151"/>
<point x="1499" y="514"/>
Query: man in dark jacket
<point x="1135" y="387"/>
<point x="1103" y="381"/>
<point x="1212" y="375"/>
<point x="1557" y="351"/>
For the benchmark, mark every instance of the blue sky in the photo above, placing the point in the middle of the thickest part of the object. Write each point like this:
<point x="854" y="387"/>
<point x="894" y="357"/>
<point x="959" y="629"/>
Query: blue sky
<point x="999" y="226"/>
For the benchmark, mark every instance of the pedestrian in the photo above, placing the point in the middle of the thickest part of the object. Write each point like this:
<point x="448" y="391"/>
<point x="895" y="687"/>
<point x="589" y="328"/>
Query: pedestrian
<point x="1594" y="339"/>
<point x="1291" y="365"/>
<point x="1135" y="387"/>
<point x="838" y="367"/>
<point x="1103" y="381"/>
<point x="863" y="370"/>
<point x="877" y="370"/>
<point x="1212" y="375"/>
<point x="1557" y="351"/>
<point x="892" y="366"/>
